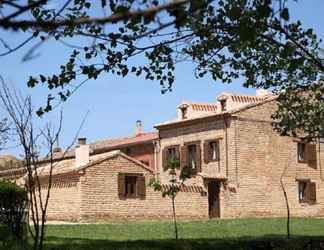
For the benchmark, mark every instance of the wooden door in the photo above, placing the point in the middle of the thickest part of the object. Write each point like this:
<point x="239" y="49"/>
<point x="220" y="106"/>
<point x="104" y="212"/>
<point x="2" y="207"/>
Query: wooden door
<point x="213" y="199"/>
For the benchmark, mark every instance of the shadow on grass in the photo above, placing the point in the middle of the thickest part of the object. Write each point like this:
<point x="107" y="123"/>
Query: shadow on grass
<point x="266" y="242"/>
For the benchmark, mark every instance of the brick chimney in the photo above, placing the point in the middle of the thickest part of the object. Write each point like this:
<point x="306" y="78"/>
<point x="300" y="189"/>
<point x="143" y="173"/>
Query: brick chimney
<point x="82" y="152"/>
<point x="138" y="128"/>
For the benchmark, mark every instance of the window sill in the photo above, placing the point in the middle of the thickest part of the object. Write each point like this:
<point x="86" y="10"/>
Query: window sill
<point x="307" y="203"/>
<point x="213" y="161"/>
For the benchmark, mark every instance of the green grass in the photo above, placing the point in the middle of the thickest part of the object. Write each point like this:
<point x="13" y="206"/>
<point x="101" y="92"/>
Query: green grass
<point x="213" y="234"/>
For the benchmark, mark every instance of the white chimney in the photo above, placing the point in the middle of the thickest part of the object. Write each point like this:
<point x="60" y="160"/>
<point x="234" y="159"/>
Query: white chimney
<point x="262" y="92"/>
<point x="82" y="152"/>
<point x="138" y="128"/>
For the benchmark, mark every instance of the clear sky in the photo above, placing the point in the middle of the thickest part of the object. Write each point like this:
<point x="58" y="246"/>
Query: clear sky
<point x="114" y="103"/>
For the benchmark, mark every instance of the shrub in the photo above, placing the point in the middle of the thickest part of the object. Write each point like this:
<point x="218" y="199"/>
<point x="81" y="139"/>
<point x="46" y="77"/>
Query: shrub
<point x="13" y="201"/>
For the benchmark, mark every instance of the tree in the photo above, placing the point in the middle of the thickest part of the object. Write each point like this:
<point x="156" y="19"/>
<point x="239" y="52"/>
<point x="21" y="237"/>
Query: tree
<point x="4" y="132"/>
<point x="174" y="187"/>
<point x="226" y="39"/>
<point x="13" y="202"/>
<point x="33" y="142"/>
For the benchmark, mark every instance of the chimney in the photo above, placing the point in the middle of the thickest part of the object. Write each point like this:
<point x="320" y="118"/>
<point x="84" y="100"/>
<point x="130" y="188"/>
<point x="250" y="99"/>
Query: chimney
<point x="262" y="93"/>
<point x="139" y="128"/>
<point x="57" y="148"/>
<point x="82" y="152"/>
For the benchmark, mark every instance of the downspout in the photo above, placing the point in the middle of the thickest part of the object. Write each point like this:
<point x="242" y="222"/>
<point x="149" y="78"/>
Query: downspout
<point x="236" y="164"/>
<point x="226" y="144"/>
<point x="156" y="149"/>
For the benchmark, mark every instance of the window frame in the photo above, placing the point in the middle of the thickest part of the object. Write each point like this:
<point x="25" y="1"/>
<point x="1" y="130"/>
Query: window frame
<point x="172" y="148"/>
<point x="134" y="195"/>
<point x="307" y="195"/>
<point x="195" y="156"/>
<point x="166" y="155"/>
<point x="211" y="150"/>
<point x="139" y="185"/>
<point x="304" y="182"/>
<point x="301" y="145"/>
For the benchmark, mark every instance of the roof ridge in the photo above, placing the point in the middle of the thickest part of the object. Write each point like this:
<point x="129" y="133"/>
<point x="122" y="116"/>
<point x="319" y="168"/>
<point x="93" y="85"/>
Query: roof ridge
<point x="123" y="138"/>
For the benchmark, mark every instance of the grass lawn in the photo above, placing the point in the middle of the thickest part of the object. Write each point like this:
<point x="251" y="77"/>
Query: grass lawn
<point x="212" y="234"/>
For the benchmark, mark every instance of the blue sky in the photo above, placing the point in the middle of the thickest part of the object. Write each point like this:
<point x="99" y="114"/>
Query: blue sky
<point x="113" y="103"/>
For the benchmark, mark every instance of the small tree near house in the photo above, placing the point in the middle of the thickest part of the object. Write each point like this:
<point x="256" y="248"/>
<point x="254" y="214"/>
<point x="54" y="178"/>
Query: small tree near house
<point x="173" y="187"/>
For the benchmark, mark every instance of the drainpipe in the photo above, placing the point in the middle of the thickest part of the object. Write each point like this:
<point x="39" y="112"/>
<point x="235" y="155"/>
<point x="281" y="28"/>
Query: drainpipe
<point x="156" y="150"/>
<point x="226" y="145"/>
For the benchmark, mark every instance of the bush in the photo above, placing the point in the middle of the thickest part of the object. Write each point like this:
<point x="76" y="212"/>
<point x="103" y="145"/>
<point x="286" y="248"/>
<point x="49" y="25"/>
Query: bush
<point x="13" y="201"/>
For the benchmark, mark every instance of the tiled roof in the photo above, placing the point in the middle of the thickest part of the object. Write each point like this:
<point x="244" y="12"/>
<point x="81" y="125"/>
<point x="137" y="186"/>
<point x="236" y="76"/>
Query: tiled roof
<point x="220" y="113"/>
<point x="247" y="98"/>
<point x="119" y="142"/>
<point x="111" y="144"/>
<point x="68" y="165"/>
<point x="211" y="107"/>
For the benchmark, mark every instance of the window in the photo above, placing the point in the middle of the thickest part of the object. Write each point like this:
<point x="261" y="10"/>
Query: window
<point x="192" y="156"/>
<point x="306" y="191"/>
<point x="170" y="153"/>
<point x="302" y="191"/>
<point x="301" y="152"/>
<point x="211" y="151"/>
<point x="131" y="186"/>
<point x="214" y="150"/>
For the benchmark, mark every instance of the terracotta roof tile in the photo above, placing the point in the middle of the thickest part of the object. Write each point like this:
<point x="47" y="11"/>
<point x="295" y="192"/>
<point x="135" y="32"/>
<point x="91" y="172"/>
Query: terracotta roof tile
<point x="247" y="98"/>
<point x="209" y="107"/>
<point x="111" y="144"/>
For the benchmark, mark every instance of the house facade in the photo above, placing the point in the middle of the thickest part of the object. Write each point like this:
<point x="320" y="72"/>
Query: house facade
<point x="240" y="167"/>
<point x="242" y="163"/>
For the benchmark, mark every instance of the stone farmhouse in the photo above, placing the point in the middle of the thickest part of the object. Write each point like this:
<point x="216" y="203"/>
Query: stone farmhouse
<point x="240" y="167"/>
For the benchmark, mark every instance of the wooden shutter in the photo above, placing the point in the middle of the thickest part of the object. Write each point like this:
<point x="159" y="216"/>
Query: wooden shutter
<point x="207" y="152"/>
<point x="312" y="191"/>
<point x="198" y="155"/>
<point x="311" y="154"/>
<point x="164" y="158"/>
<point x="141" y="188"/>
<point x="121" y="185"/>
<point x="218" y="149"/>
<point x="177" y="152"/>
<point x="183" y="157"/>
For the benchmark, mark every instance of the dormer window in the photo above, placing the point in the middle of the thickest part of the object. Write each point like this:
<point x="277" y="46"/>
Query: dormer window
<point x="223" y="105"/>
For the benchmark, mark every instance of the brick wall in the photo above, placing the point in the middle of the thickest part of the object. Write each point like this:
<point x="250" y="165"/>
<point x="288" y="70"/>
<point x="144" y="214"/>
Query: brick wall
<point x="64" y="202"/>
<point x="100" y="199"/>
<point x="142" y="152"/>
<point x="262" y="157"/>
<point x="255" y="160"/>
<point x="207" y="130"/>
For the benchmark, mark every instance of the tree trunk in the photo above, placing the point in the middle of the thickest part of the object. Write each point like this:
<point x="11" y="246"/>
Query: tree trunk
<point x="174" y="219"/>
<point x="288" y="209"/>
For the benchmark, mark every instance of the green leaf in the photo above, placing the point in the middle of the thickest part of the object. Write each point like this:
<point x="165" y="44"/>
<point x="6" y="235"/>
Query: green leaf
<point x="285" y="14"/>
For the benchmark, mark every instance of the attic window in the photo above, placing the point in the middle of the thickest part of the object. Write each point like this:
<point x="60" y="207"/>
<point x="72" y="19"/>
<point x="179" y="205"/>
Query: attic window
<point x="223" y="105"/>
